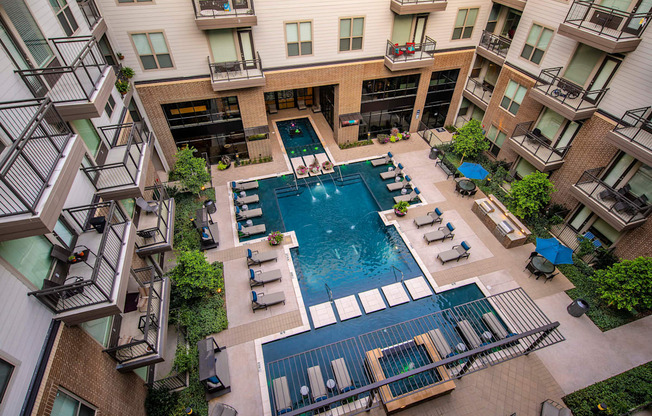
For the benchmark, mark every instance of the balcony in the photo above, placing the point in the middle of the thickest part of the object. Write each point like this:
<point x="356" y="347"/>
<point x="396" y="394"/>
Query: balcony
<point x="410" y="55"/>
<point x="536" y="149"/>
<point x="141" y="334"/>
<point x="616" y="207"/>
<point x="493" y="47"/>
<point x="417" y="6"/>
<point x="122" y="175"/>
<point x="224" y="14"/>
<point x="236" y="74"/>
<point x="155" y="231"/>
<point x="81" y="86"/>
<point x="478" y="92"/>
<point x="570" y="100"/>
<point x="37" y="169"/>
<point x="94" y="19"/>
<point x="90" y="281"/>
<point x="633" y="134"/>
<point x="514" y="4"/>
<point x="604" y="28"/>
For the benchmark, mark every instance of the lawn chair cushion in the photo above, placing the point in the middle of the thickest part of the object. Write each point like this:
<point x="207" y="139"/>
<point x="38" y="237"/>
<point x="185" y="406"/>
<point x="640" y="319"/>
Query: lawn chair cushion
<point x="438" y="211"/>
<point x="465" y="246"/>
<point x="249" y="253"/>
<point x="252" y="274"/>
<point x="450" y="227"/>
<point x="254" y="296"/>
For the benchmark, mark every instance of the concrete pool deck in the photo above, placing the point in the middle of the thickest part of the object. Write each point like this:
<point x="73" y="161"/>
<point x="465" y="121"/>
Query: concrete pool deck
<point x="517" y="386"/>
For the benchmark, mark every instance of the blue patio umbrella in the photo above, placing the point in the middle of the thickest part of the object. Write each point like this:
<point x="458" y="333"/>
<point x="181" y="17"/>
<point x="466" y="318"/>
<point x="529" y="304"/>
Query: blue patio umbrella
<point x="554" y="251"/>
<point x="473" y="170"/>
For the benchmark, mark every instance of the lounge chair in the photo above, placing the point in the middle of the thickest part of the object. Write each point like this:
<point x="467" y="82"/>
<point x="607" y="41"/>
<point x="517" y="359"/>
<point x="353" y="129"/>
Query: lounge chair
<point x="282" y="400"/>
<point x="440" y="234"/>
<point x="456" y="253"/>
<point x="409" y="197"/>
<point x="259" y="278"/>
<point x="241" y="215"/>
<point x="342" y="377"/>
<point x="316" y="108"/>
<point x="429" y="219"/>
<point x="263" y="301"/>
<point x="271" y="108"/>
<point x="468" y="333"/>
<point x="147" y="206"/>
<point x="243" y="200"/>
<point x="254" y="257"/>
<point x="301" y="104"/>
<point x="494" y="325"/>
<point x="317" y="386"/>
<point x="383" y="160"/>
<point x="442" y="346"/>
<point x="399" y="185"/>
<point x="391" y="174"/>
<point x="244" y="186"/>
<point x="251" y="230"/>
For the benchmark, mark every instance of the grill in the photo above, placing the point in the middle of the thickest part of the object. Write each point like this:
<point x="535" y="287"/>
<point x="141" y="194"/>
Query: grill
<point x="486" y="207"/>
<point x="505" y="228"/>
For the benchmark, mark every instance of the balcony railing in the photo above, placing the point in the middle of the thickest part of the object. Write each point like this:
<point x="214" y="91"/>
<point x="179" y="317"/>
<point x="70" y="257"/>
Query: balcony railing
<point x="175" y="381"/>
<point x="76" y="79"/>
<point x="616" y="202"/>
<point x="223" y="8"/>
<point x="537" y="144"/>
<point x="39" y="137"/>
<point x="480" y="89"/>
<point x="157" y="234"/>
<point x="494" y="43"/>
<point x="567" y="93"/>
<point x="90" y="12"/>
<point x="636" y="127"/>
<point x="123" y="163"/>
<point x="91" y="281"/>
<point x="236" y="70"/>
<point x="607" y="21"/>
<point x="410" y="51"/>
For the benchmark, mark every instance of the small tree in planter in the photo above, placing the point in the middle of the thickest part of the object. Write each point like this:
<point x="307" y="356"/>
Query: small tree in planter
<point x="401" y="207"/>
<point x="191" y="170"/>
<point x="627" y="285"/>
<point x="530" y="195"/>
<point x="470" y="140"/>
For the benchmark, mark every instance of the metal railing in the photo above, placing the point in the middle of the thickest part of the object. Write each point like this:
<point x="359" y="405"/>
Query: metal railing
<point x="537" y="145"/>
<point x="616" y="202"/>
<point x="480" y="89"/>
<point x="411" y="2"/>
<point x="158" y="234"/>
<point x="636" y="127"/>
<point x="236" y="70"/>
<point x="410" y="51"/>
<point x="607" y="21"/>
<point x="96" y="287"/>
<point x="570" y="237"/>
<point x="77" y="78"/>
<point x="223" y="8"/>
<point x="146" y="346"/>
<point x="550" y="83"/>
<point x="429" y="135"/>
<point x="39" y="137"/>
<point x="494" y="43"/>
<point x="127" y="140"/>
<point x="172" y="382"/>
<point x="90" y="11"/>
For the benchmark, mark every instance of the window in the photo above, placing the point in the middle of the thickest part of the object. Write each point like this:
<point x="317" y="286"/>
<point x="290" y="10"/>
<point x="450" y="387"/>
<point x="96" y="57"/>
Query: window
<point x="64" y="233"/>
<point x="65" y="16"/>
<point x="513" y="97"/>
<point x="30" y="256"/>
<point x="202" y="112"/>
<point x="536" y="44"/>
<point x="107" y="52"/>
<point x="110" y="106"/>
<point x="493" y="18"/>
<point x="6" y="369"/>
<point x="134" y="112"/>
<point x="153" y="50"/>
<point x="351" y="33"/>
<point x="582" y="63"/>
<point x="383" y="88"/>
<point x="67" y="405"/>
<point x="100" y="330"/>
<point x="496" y="139"/>
<point x="86" y="130"/>
<point x="29" y="32"/>
<point x="464" y="23"/>
<point x="299" y="38"/>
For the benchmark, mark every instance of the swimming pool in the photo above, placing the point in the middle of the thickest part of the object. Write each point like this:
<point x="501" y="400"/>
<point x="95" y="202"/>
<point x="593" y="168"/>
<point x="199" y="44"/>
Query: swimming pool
<point x="404" y="358"/>
<point x="299" y="138"/>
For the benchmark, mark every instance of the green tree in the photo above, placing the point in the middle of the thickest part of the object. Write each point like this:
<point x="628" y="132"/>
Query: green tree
<point x="190" y="170"/>
<point x="194" y="277"/>
<point x="530" y="195"/>
<point x="470" y="140"/>
<point x="627" y="285"/>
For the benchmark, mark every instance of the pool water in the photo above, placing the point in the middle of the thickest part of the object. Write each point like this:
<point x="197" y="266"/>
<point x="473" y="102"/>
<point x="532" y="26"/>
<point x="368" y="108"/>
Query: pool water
<point x="410" y="357"/>
<point x="299" y="138"/>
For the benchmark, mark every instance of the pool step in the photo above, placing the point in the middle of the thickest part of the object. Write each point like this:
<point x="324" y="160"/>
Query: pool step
<point x="322" y="314"/>
<point x="347" y="308"/>
<point x="418" y="288"/>
<point x="372" y="301"/>
<point x="395" y="294"/>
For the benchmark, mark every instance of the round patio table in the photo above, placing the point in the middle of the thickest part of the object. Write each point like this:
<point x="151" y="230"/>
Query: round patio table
<point x="542" y="264"/>
<point x="466" y="185"/>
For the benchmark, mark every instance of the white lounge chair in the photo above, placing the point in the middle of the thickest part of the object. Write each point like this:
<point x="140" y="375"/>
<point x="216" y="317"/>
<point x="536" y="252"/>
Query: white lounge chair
<point x="342" y="377"/>
<point x="244" y="186"/>
<point x="409" y="197"/>
<point x="263" y="301"/>
<point x="456" y="253"/>
<point x="147" y="206"/>
<point x="317" y="386"/>
<point x="241" y="215"/>
<point x="383" y="160"/>
<point x="282" y="400"/>
<point x="399" y="185"/>
<point x="494" y="325"/>
<point x="301" y="104"/>
<point x="259" y="278"/>
<point x="391" y="174"/>
<point x="254" y="257"/>
<point x="429" y="219"/>
<point x="296" y="163"/>
<point x="251" y="230"/>
<point x="243" y="200"/>
<point x="468" y="333"/>
<point x="440" y="234"/>
<point x="442" y="346"/>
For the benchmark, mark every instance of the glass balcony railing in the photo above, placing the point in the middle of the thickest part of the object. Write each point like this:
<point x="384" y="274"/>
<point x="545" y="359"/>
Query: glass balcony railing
<point x="236" y="70"/>
<point x="480" y="89"/>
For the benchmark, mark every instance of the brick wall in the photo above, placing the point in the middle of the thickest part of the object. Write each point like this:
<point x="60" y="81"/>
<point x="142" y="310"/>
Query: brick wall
<point x="636" y="242"/>
<point x="80" y="366"/>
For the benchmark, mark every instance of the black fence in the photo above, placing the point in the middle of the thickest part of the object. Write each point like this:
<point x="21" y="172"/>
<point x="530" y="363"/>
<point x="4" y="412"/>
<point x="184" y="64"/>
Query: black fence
<point x="223" y="8"/>
<point x="566" y="92"/>
<point x="538" y="145"/>
<point x="607" y="21"/>
<point x="636" y="127"/>
<point x="480" y="89"/>
<point x="494" y="43"/>
<point x="236" y="70"/>
<point x="410" y="51"/>
<point x="158" y="234"/>
<point x="90" y="11"/>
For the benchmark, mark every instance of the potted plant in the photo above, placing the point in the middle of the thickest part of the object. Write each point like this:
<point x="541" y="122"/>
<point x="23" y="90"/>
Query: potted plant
<point x="400" y="209"/>
<point x="302" y="170"/>
<point x="122" y="86"/>
<point x="406" y="135"/>
<point x="275" y="238"/>
<point x="127" y="72"/>
<point x="327" y="165"/>
<point x="120" y="56"/>
<point x="383" y="138"/>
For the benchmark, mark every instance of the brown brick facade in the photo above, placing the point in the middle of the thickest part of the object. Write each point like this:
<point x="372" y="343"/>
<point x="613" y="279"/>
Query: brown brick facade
<point x="79" y="366"/>
<point x="636" y="242"/>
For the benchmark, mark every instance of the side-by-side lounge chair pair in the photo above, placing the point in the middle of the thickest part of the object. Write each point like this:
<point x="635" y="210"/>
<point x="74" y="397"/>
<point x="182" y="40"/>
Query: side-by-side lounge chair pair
<point x="383" y="160"/>
<point x="242" y="200"/>
<point x="391" y="174"/>
<point x="254" y="257"/>
<point x="395" y="186"/>
<point x="429" y="219"/>
<point x="242" y="215"/>
<point x="440" y="234"/>
<point x="456" y="253"/>
<point x="409" y="197"/>
<point x="263" y="301"/>
<point x="251" y="230"/>
<point x="244" y="186"/>
<point x="259" y="278"/>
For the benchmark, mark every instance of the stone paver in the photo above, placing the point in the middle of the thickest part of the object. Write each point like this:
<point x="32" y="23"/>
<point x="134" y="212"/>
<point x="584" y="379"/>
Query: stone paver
<point x="347" y="308"/>
<point x="372" y="301"/>
<point x="395" y="294"/>
<point x="322" y="314"/>
<point x="418" y="288"/>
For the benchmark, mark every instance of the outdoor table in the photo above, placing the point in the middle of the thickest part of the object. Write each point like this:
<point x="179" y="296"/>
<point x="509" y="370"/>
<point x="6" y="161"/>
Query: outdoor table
<point x="542" y="264"/>
<point x="466" y="185"/>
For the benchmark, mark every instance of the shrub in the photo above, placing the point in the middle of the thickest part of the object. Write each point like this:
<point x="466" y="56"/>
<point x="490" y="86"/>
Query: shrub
<point x="356" y="144"/>
<point x="201" y="318"/>
<point x="470" y="140"/>
<point x="123" y="87"/>
<point x="161" y="403"/>
<point x="530" y="195"/>
<point x="221" y="166"/>
<point x="195" y="277"/>
<point x="127" y="72"/>
<point x="401" y="206"/>
<point x="604" y="259"/>
<point x="255" y="137"/>
<point x="627" y="285"/>
<point x="190" y="170"/>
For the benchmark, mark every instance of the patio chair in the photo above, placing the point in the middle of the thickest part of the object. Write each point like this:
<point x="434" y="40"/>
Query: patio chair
<point x="243" y="200"/>
<point x="259" y="278"/>
<point x="244" y="186"/>
<point x="429" y="219"/>
<point x="242" y="215"/>
<point x="441" y="345"/>
<point x="409" y="48"/>
<point x="342" y="376"/>
<point x="440" y="234"/>
<point x="456" y="253"/>
<point x="263" y="301"/>
<point x="391" y="174"/>
<point x="301" y="104"/>
<point x="254" y="257"/>
<point x="317" y="386"/>
<point x="282" y="400"/>
<point x="395" y="186"/>
<point x="549" y="277"/>
<point x="383" y="160"/>
<point x="532" y="255"/>
<point x="494" y="325"/>
<point x="316" y="108"/>
<point x="607" y="195"/>
<point x="147" y="206"/>
<point x="251" y="230"/>
<point x="271" y="109"/>
<point x="412" y="196"/>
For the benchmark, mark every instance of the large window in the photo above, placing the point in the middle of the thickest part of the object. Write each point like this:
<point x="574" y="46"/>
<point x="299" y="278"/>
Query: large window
<point x="440" y="92"/>
<point x="6" y="369"/>
<point x="582" y="63"/>
<point x="464" y="23"/>
<point x="379" y="89"/>
<point x="86" y="130"/>
<point x="382" y="121"/>
<point x="29" y="32"/>
<point x="513" y="97"/>
<point x="496" y="139"/>
<point x="152" y="50"/>
<point x="351" y="31"/>
<point x="65" y="16"/>
<point x="193" y="113"/>
<point x="99" y="329"/>
<point x="299" y="38"/>
<point x="67" y="405"/>
<point x="30" y="256"/>
<point x="536" y="43"/>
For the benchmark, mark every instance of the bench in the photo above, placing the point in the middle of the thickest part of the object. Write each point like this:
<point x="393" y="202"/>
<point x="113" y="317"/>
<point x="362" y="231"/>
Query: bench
<point x="445" y="168"/>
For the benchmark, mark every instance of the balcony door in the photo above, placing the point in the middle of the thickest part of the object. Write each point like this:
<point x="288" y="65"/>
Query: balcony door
<point x="223" y="45"/>
<point x="634" y="25"/>
<point x="419" y="28"/>
<point x="602" y="77"/>
<point x="246" y="43"/>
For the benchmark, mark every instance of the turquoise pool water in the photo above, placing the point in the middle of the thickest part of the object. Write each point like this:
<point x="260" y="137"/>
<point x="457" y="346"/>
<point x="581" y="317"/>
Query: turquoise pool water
<point x="299" y="138"/>
<point x="408" y="358"/>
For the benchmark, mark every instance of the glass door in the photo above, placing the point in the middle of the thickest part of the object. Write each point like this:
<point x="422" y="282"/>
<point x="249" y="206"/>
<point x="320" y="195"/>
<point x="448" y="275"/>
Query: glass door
<point x="602" y="78"/>
<point x="419" y="29"/>
<point x="247" y="48"/>
<point x="634" y="25"/>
